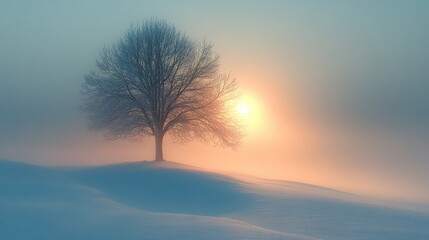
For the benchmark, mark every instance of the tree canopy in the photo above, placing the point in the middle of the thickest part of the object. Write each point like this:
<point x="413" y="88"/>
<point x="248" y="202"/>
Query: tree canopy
<point x="156" y="80"/>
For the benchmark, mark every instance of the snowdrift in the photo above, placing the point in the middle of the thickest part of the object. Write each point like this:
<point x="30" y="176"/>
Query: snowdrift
<point x="149" y="200"/>
<point x="165" y="187"/>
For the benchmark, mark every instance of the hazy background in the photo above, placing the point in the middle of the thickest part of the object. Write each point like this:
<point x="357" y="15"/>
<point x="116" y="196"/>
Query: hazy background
<point x="338" y="89"/>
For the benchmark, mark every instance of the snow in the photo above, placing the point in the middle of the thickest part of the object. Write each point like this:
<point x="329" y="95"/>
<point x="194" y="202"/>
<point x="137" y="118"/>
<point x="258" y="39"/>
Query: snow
<point x="148" y="200"/>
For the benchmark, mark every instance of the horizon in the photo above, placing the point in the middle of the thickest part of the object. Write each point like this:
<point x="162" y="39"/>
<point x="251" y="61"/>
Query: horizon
<point x="248" y="179"/>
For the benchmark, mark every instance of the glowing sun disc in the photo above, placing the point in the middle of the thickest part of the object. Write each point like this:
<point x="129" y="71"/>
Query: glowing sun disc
<point x="243" y="108"/>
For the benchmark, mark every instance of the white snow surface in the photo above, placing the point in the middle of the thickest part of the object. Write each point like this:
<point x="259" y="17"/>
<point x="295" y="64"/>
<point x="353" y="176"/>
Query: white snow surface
<point x="149" y="200"/>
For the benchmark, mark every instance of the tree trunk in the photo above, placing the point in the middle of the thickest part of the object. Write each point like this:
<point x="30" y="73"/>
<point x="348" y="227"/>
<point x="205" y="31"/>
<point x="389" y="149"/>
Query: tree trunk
<point x="158" y="147"/>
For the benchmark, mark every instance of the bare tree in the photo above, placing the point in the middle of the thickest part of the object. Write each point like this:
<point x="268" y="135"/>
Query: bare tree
<point x="156" y="80"/>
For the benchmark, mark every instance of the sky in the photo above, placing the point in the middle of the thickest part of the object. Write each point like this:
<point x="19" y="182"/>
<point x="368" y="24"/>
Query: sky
<point x="337" y="90"/>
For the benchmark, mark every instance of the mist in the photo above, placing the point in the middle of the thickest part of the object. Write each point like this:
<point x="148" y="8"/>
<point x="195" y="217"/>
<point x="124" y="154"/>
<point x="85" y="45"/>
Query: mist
<point x="340" y="89"/>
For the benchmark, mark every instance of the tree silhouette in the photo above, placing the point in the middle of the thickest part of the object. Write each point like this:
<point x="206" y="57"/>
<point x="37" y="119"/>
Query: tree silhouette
<point x="156" y="80"/>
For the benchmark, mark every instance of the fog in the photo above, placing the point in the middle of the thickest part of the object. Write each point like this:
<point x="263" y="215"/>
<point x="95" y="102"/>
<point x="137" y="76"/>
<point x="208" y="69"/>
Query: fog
<point x="339" y="89"/>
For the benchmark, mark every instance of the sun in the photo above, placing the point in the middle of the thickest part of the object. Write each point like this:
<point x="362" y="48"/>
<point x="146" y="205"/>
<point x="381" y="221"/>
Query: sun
<point x="243" y="109"/>
<point x="248" y="111"/>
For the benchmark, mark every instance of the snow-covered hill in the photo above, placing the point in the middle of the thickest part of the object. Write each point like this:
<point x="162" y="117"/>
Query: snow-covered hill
<point x="148" y="200"/>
